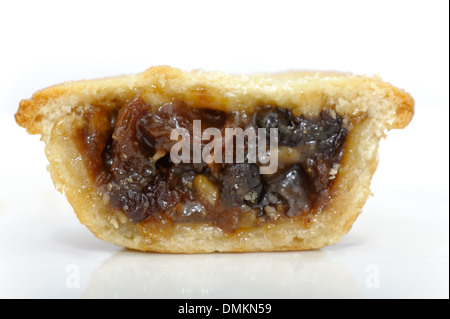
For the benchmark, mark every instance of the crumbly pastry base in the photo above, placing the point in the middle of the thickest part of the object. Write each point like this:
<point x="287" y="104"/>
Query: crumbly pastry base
<point x="374" y="106"/>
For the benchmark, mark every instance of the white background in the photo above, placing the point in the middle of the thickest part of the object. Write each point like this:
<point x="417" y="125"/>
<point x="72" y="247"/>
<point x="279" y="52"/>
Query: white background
<point x="398" y="247"/>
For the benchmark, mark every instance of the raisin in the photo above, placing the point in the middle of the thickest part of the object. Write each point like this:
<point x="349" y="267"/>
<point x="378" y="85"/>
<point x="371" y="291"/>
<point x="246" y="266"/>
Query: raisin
<point x="321" y="144"/>
<point x="155" y="129"/>
<point x="291" y="190"/>
<point x="241" y="183"/>
<point x="281" y="119"/>
<point x="95" y="138"/>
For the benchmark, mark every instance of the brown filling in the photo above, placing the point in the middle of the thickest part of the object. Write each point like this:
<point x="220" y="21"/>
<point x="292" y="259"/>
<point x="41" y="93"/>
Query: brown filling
<point x="128" y="155"/>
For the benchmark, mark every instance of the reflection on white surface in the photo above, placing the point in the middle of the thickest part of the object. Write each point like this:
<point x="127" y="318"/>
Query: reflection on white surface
<point x="310" y="274"/>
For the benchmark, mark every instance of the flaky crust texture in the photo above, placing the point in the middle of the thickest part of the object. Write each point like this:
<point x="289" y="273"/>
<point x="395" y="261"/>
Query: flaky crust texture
<point x="374" y="106"/>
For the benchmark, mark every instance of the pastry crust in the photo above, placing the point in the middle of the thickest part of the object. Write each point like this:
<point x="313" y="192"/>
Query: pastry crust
<point x="374" y="106"/>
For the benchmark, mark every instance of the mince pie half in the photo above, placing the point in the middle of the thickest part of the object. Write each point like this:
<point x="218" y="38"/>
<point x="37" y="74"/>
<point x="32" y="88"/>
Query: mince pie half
<point x="149" y="161"/>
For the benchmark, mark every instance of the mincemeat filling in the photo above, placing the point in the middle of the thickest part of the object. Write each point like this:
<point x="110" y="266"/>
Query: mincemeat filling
<point x="128" y="156"/>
